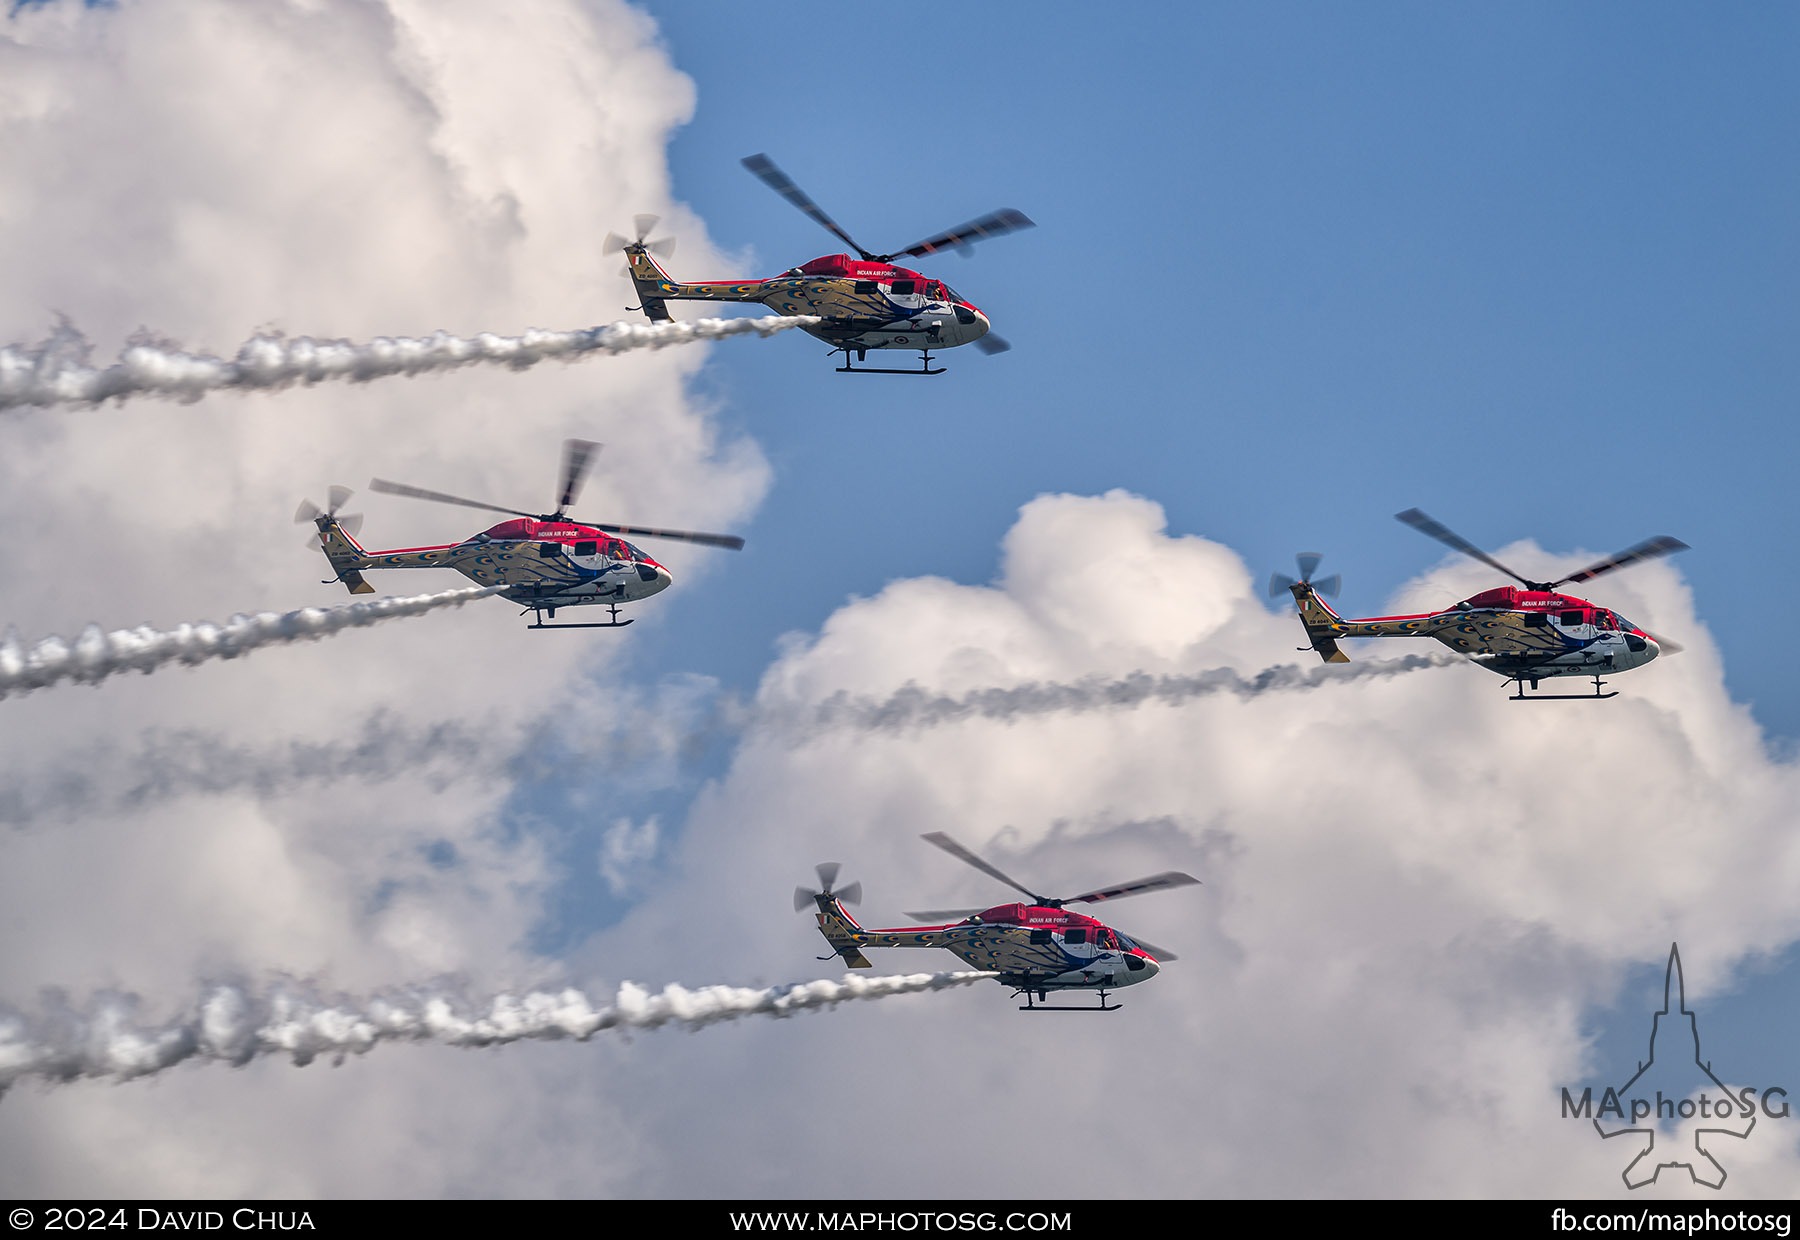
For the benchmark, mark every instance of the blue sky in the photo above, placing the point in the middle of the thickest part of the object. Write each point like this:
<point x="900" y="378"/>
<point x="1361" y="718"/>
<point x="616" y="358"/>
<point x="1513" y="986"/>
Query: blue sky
<point x="1296" y="268"/>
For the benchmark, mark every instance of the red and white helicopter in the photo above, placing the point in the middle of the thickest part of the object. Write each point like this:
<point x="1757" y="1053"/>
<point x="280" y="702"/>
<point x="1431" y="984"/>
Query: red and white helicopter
<point x="866" y="302"/>
<point x="1524" y="635"/>
<point x="1035" y="948"/>
<point x="544" y="560"/>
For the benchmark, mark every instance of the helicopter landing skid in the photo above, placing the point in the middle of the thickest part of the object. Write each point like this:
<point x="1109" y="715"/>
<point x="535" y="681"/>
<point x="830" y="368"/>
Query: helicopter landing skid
<point x="924" y="367"/>
<point x="1057" y="1007"/>
<point x="613" y="623"/>
<point x="1595" y="696"/>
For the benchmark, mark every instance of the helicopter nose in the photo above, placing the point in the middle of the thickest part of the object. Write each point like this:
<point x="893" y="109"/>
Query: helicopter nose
<point x="971" y="323"/>
<point x="1141" y="968"/>
<point x="655" y="577"/>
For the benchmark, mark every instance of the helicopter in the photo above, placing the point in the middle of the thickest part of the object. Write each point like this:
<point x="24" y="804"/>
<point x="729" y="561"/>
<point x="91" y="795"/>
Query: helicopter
<point x="864" y="302"/>
<point x="543" y="560"/>
<point x="1034" y="948"/>
<point x="1526" y="635"/>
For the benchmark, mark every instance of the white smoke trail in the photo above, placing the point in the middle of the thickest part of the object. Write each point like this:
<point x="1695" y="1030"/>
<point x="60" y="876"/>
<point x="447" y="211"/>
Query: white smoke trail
<point x="57" y="372"/>
<point x="96" y="654"/>
<point x="658" y="742"/>
<point x="913" y="707"/>
<point x="680" y="731"/>
<point x="235" y="1024"/>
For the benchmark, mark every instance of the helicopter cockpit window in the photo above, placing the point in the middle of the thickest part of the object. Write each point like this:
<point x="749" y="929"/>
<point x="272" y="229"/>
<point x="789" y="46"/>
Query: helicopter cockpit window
<point x="633" y="552"/>
<point x="1622" y="624"/>
<point x="950" y="294"/>
<point x="590" y="547"/>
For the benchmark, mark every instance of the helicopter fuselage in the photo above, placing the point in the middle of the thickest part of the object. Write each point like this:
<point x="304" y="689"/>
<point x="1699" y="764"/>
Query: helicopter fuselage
<point x="1520" y="634"/>
<point x="1031" y="948"/>
<point x="541" y="564"/>
<point x="862" y="305"/>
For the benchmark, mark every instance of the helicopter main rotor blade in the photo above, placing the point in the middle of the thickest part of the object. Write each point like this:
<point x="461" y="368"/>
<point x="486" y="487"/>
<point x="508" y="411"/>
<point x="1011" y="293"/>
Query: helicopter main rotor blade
<point x="943" y="914"/>
<point x="1444" y="534"/>
<point x="578" y="455"/>
<point x="729" y="541"/>
<point x="1137" y="887"/>
<point x="412" y="492"/>
<point x="994" y="224"/>
<point x="764" y="168"/>
<point x="1649" y="549"/>
<point x="992" y="344"/>
<point x="962" y="854"/>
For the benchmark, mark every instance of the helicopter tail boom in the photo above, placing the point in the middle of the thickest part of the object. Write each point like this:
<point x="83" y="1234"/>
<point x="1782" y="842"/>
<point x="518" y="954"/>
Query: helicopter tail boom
<point x="655" y="289"/>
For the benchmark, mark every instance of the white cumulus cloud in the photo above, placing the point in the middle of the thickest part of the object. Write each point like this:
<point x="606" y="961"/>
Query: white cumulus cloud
<point x="1414" y="891"/>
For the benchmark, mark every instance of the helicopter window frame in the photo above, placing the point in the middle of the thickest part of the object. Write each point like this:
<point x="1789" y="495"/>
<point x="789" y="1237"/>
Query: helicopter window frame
<point x="1075" y="934"/>
<point x="1574" y="616"/>
<point x="904" y="288"/>
<point x="588" y="546"/>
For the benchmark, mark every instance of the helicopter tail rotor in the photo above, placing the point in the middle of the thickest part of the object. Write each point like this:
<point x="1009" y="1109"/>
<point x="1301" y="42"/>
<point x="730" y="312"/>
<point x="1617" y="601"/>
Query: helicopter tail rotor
<point x="827" y="871"/>
<point x="335" y="499"/>
<point x="662" y="246"/>
<point x="1308" y="563"/>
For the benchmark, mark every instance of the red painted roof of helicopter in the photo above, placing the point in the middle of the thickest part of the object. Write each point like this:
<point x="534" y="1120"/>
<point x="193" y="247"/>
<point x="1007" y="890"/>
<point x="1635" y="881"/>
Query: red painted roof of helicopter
<point x="856" y="269"/>
<point x="1512" y="598"/>
<point x="526" y="529"/>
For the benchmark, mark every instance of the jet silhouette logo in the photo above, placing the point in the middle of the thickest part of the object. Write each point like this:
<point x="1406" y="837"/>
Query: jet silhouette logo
<point x="1633" y="1109"/>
